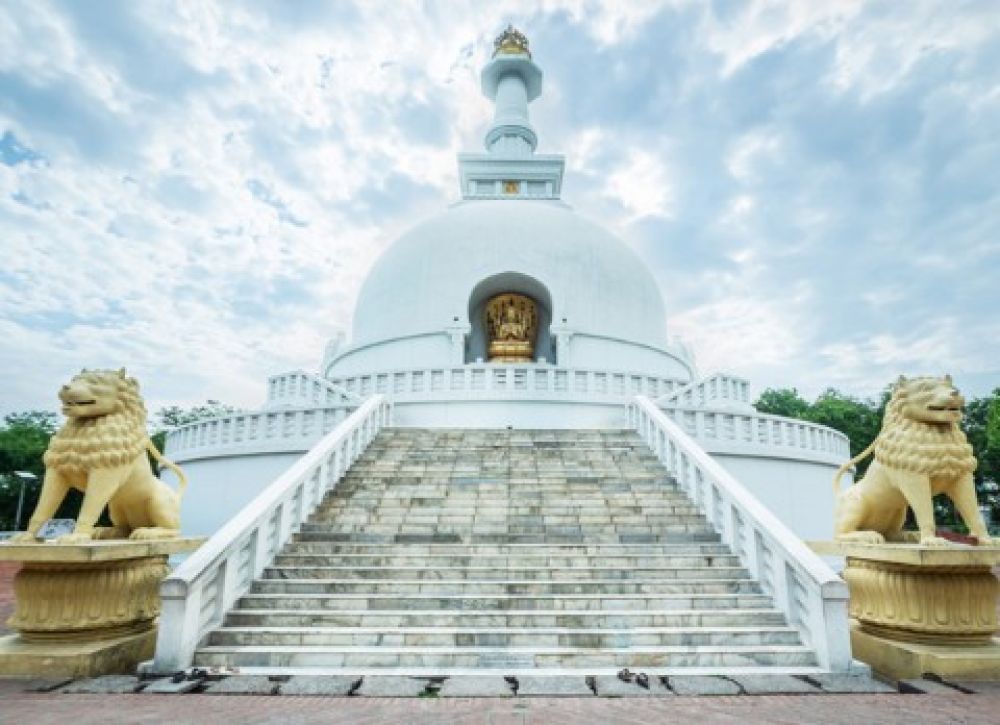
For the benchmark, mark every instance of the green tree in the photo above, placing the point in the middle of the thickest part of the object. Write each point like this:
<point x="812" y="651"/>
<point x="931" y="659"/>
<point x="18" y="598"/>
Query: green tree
<point x="23" y="440"/>
<point x="782" y="401"/>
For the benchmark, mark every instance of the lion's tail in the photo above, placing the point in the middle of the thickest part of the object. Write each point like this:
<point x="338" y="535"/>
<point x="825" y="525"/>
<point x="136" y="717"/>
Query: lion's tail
<point x="843" y="469"/>
<point x="171" y="465"/>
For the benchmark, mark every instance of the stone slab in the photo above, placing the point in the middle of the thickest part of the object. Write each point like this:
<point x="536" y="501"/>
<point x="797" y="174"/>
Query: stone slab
<point x="166" y="686"/>
<point x="912" y="554"/>
<point x="849" y="684"/>
<point x="391" y="686"/>
<point x="895" y="661"/>
<point x="96" y="550"/>
<point x="921" y="686"/>
<point x="476" y="686"/>
<point x="104" y="685"/>
<point x="701" y="685"/>
<point x="10" y="685"/>
<point x="242" y="685"/>
<point x="611" y="686"/>
<point x="318" y="685"/>
<point x="554" y="686"/>
<point x="983" y="687"/>
<point x="118" y="656"/>
<point x="774" y="685"/>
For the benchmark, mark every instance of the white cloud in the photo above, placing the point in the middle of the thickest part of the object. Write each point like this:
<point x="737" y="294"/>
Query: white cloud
<point x="642" y="185"/>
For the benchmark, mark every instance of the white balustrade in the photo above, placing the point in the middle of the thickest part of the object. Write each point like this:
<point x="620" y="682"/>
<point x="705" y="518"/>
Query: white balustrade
<point x="490" y="381"/>
<point x="718" y="390"/>
<point x="271" y="430"/>
<point x="302" y="388"/>
<point x="804" y="588"/>
<point x="763" y="433"/>
<point x="200" y="591"/>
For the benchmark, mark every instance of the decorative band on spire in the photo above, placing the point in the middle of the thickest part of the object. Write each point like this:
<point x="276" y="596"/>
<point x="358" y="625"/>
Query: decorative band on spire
<point x="511" y="42"/>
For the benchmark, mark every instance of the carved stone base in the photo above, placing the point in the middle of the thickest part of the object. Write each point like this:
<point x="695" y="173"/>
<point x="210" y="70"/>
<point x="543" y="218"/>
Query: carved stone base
<point x="88" y="609"/>
<point x="918" y="609"/>
<point x="80" y="602"/>
<point x="950" y="605"/>
<point x="897" y="660"/>
<point x="115" y="656"/>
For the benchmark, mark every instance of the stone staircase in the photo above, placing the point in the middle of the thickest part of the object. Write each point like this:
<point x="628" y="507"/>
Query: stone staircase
<point x="450" y="551"/>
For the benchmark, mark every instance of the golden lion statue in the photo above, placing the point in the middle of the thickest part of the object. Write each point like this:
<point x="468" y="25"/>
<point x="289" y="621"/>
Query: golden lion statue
<point x="101" y="451"/>
<point x="920" y="452"/>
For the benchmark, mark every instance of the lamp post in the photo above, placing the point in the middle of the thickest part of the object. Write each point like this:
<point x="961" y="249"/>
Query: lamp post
<point x="24" y="476"/>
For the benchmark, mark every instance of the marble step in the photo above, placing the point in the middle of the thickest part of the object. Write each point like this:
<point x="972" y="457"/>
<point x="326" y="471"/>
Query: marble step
<point x="609" y="620"/>
<point x="500" y="602"/>
<point x="492" y="587"/>
<point x="297" y="546"/>
<point x="511" y="507"/>
<point x="498" y="523"/>
<point x="485" y="532"/>
<point x="501" y="637"/>
<point x="505" y="658"/>
<point x="441" y="562"/>
<point x="439" y="536"/>
<point x="539" y="573"/>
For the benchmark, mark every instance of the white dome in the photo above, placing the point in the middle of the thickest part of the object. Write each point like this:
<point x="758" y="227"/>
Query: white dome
<point x="424" y="281"/>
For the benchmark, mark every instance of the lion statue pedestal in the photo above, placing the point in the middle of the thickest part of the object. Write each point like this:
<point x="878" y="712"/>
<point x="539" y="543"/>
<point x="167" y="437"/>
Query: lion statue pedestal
<point x="83" y="610"/>
<point x="919" y="603"/>
<point x="86" y="607"/>
<point x="922" y="609"/>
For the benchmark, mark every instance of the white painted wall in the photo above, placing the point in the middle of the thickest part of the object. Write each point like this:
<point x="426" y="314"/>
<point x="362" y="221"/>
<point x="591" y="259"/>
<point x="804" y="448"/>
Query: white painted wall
<point x="220" y="487"/>
<point x="798" y="492"/>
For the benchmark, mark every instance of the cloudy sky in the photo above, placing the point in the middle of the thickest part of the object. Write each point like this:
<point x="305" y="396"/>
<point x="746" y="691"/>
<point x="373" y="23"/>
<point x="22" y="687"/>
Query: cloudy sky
<point x="196" y="189"/>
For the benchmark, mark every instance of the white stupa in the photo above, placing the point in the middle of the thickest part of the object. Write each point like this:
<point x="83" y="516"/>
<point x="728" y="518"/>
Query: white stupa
<point x="510" y="310"/>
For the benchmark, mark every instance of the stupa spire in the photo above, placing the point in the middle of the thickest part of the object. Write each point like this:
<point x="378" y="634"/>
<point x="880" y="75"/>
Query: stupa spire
<point x="512" y="80"/>
<point x="510" y="168"/>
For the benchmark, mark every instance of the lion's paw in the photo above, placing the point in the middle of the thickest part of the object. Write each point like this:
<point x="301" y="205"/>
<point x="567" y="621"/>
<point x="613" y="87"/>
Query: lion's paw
<point x="862" y="537"/>
<point x="77" y="537"/>
<point x="935" y="541"/>
<point x="25" y="537"/>
<point x="149" y="533"/>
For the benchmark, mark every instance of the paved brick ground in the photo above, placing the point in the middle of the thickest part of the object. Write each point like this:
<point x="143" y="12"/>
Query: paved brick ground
<point x="57" y="709"/>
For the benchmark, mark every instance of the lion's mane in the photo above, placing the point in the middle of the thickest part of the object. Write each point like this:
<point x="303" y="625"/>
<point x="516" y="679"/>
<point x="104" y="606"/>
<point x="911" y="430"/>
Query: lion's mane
<point x="106" y="441"/>
<point x="934" y="449"/>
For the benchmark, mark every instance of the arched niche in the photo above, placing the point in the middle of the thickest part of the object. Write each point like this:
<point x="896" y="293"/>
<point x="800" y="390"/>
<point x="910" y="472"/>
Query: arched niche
<point x="499" y="284"/>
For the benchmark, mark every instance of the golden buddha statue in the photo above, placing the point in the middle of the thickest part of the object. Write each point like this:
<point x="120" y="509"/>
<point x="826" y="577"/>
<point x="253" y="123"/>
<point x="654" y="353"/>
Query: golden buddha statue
<point x="511" y="324"/>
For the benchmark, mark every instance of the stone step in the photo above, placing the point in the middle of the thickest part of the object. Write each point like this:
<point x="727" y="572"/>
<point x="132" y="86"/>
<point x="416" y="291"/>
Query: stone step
<point x="453" y="537"/>
<point x="436" y="601"/>
<point x="610" y="620"/>
<point x="275" y="584"/>
<point x="457" y="550"/>
<point x="296" y="558"/>
<point x="313" y="570"/>
<point x="504" y="658"/>
<point x="508" y="508"/>
<point x="501" y="637"/>
<point x="514" y="550"/>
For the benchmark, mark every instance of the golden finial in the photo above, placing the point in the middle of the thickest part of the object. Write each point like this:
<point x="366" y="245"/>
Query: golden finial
<point x="511" y="42"/>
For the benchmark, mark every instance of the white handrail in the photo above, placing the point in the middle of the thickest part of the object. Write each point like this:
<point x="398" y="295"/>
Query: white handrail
<point x="811" y="595"/>
<point x="765" y="434"/>
<point x="298" y="386"/>
<point x="200" y="591"/>
<point x="718" y="389"/>
<point x="275" y="429"/>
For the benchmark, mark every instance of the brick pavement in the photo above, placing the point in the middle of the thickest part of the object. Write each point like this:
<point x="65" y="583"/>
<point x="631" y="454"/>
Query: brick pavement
<point x="57" y="709"/>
